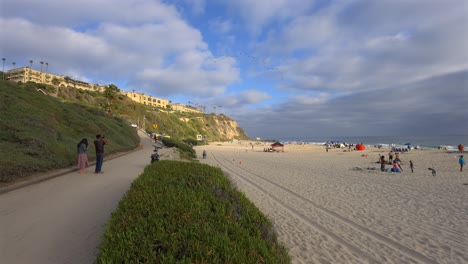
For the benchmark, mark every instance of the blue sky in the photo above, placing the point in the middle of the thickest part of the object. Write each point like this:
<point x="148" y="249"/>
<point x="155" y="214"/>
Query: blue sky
<point x="281" y="68"/>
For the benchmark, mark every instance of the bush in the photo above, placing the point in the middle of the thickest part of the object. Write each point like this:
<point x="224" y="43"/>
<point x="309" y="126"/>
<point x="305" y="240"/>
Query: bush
<point x="186" y="149"/>
<point x="185" y="212"/>
<point x="190" y="141"/>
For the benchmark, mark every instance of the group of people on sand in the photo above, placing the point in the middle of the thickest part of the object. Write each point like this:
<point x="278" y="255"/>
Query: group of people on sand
<point x="82" y="149"/>
<point x="396" y="163"/>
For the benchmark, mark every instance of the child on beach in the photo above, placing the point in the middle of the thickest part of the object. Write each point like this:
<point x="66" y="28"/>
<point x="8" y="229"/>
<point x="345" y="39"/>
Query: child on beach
<point x="461" y="161"/>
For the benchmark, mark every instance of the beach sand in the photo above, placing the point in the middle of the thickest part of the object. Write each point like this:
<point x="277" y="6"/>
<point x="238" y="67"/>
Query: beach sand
<point x="328" y="207"/>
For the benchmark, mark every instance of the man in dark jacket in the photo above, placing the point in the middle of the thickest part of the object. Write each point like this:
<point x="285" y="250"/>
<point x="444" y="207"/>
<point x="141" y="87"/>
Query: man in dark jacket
<point x="99" y="146"/>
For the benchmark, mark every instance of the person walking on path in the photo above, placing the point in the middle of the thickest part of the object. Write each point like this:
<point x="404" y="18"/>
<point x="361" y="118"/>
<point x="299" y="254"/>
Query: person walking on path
<point x="204" y="154"/>
<point x="99" y="146"/>
<point x="83" y="156"/>
<point x="461" y="161"/>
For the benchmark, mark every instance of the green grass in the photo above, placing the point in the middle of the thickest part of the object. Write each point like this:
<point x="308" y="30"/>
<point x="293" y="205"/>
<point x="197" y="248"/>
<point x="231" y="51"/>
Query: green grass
<point x="186" y="212"/>
<point x="186" y="151"/>
<point x="39" y="133"/>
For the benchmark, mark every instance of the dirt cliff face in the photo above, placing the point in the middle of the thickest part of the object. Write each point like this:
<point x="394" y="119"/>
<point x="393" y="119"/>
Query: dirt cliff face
<point x="213" y="127"/>
<point x="222" y="127"/>
<point x="229" y="128"/>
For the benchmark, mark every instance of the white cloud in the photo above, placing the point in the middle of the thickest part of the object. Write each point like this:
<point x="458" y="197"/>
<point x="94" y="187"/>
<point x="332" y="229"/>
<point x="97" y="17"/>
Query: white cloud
<point x="152" y="55"/>
<point x="253" y="96"/>
<point x="88" y="12"/>
<point x="258" y="14"/>
<point x="344" y="46"/>
<point x="221" y="26"/>
<point x="198" y="6"/>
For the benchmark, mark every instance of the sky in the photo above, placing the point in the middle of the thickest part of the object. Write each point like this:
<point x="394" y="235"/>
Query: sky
<point x="285" y="69"/>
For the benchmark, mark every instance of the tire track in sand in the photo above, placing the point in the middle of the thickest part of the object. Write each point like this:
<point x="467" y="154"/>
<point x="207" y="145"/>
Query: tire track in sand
<point x="372" y="234"/>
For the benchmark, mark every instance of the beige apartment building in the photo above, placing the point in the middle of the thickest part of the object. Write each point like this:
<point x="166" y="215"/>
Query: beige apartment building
<point x="147" y="99"/>
<point x="25" y="74"/>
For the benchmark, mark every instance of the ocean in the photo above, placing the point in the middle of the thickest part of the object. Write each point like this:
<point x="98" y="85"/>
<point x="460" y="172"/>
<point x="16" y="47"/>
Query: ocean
<point x="451" y="141"/>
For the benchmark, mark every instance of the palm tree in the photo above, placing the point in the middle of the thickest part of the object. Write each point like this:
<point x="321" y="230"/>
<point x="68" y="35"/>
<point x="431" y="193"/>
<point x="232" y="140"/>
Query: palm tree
<point x="30" y="68"/>
<point x="42" y="73"/>
<point x="14" y="65"/>
<point x="46" y="66"/>
<point x="3" y="70"/>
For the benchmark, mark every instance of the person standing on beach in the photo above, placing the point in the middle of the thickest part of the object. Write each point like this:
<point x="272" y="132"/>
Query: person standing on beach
<point x="83" y="155"/>
<point x="382" y="163"/>
<point x="461" y="161"/>
<point x="390" y="157"/>
<point x="99" y="146"/>
<point x="411" y="166"/>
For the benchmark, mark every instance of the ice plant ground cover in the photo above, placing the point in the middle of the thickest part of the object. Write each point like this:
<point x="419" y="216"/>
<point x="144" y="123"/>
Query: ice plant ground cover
<point x="187" y="212"/>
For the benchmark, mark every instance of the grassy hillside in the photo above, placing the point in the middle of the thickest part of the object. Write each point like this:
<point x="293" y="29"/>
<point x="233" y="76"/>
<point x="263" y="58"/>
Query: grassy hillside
<point x="40" y="133"/>
<point x="177" y="125"/>
<point x="40" y="125"/>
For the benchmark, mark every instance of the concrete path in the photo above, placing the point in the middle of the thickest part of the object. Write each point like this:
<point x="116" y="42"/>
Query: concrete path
<point x="63" y="219"/>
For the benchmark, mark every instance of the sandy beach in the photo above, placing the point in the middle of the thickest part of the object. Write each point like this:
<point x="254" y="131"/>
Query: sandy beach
<point x="331" y="207"/>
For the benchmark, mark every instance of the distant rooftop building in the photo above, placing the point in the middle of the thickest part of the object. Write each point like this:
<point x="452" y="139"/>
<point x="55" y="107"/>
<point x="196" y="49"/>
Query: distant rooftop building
<point x="147" y="99"/>
<point x="185" y="108"/>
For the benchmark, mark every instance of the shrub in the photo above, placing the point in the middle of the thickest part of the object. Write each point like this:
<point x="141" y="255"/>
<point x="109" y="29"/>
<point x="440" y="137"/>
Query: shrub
<point x="185" y="212"/>
<point x="186" y="149"/>
<point x="190" y="141"/>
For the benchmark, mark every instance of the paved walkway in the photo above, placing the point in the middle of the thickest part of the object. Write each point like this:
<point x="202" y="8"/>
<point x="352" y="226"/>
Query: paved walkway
<point x="62" y="220"/>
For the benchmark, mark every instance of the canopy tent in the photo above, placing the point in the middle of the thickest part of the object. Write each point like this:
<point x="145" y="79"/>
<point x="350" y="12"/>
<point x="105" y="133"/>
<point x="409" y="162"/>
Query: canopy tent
<point x="277" y="146"/>
<point x="360" y="147"/>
